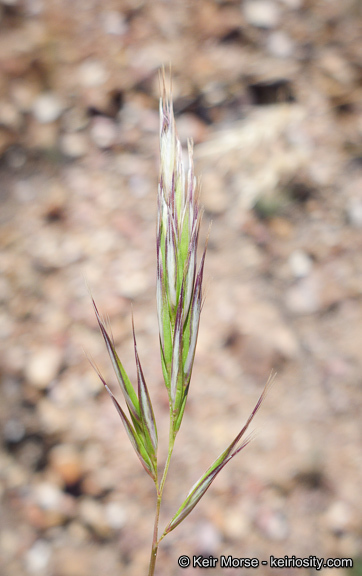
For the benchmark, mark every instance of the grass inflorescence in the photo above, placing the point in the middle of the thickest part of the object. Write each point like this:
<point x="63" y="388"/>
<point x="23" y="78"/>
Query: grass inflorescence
<point x="179" y="305"/>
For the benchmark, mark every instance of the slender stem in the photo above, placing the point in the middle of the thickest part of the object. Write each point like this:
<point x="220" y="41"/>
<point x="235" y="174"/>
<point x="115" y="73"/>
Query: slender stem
<point x="155" y="541"/>
<point x="154" y="548"/>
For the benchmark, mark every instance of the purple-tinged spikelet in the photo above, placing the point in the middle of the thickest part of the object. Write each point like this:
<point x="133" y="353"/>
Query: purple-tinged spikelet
<point x="178" y="282"/>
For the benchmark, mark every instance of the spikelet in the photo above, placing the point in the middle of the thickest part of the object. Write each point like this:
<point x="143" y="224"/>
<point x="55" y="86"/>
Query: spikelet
<point x="179" y="283"/>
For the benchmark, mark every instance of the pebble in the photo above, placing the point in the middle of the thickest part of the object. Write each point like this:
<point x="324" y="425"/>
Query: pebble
<point x="215" y="93"/>
<point x="92" y="73"/>
<point x="93" y="515"/>
<point x="43" y="136"/>
<point x="75" y="119"/>
<point x="9" y="115"/>
<point x="14" y="430"/>
<point x="6" y="140"/>
<point x="208" y="539"/>
<point x="15" y="158"/>
<point x="273" y="524"/>
<point x="74" y="145"/>
<point x="280" y="45"/>
<point x="98" y="481"/>
<point x="354" y="213"/>
<point x="338" y="517"/>
<point x="42" y="519"/>
<point x="24" y="95"/>
<point x="34" y="7"/>
<point x="43" y="366"/>
<point x="66" y="462"/>
<point x="47" y="108"/>
<point x="304" y="297"/>
<point x="48" y="496"/>
<point x="77" y="531"/>
<point x="53" y="418"/>
<point x="237" y="524"/>
<point x="300" y="263"/>
<point x="9" y="543"/>
<point x="115" y="515"/>
<point x="261" y="13"/>
<point x="114" y="23"/>
<point x="73" y="561"/>
<point x="103" y="132"/>
<point x="38" y="557"/>
<point x="6" y="326"/>
<point x="281" y="227"/>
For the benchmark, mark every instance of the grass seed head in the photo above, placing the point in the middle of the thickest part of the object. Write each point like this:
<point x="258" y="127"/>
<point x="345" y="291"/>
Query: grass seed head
<point x="178" y="281"/>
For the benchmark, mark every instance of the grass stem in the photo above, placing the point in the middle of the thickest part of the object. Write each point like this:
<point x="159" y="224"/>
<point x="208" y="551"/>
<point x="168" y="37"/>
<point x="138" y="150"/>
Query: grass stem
<point x="155" y="541"/>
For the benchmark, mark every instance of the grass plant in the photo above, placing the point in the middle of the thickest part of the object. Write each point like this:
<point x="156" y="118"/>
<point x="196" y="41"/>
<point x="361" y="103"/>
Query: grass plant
<point x="179" y="305"/>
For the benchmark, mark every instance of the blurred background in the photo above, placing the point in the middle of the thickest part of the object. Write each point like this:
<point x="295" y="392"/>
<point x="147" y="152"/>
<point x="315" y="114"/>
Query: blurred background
<point x="271" y="92"/>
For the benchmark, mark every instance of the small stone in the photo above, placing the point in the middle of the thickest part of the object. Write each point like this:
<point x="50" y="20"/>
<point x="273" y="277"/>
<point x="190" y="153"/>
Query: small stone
<point x="15" y="158"/>
<point x="281" y="227"/>
<point x="114" y="23"/>
<point x="48" y="506"/>
<point x="47" y="108"/>
<point x="98" y="481"/>
<point x="24" y="95"/>
<point x="42" y="519"/>
<point x="38" y="557"/>
<point x="280" y="44"/>
<point x="116" y="515"/>
<point x="300" y="263"/>
<point x="9" y="115"/>
<point x="78" y="532"/>
<point x="43" y="366"/>
<point x="261" y="13"/>
<point x="14" y="430"/>
<point x="74" y="145"/>
<point x="34" y="7"/>
<point x="66" y="462"/>
<point x="73" y="561"/>
<point x="9" y="543"/>
<point x="6" y="140"/>
<point x="338" y="517"/>
<point x="48" y="496"/>
<point x="209" y="538"/>
<point x="75" y="119"/>
<point x="215" y="93"/>
<point x="6" y="326"/>
<point x="53" y="418"/>
<point x="354" y="213"/>
<point x="237" y="525"/>
<point x="304" y="297"/>
<point x="43" y="136"/>
<point x="273" y="524"/>
<point x="92" y="73"/>
<point x="93" y="515"/>
<point x="104" y="132"/>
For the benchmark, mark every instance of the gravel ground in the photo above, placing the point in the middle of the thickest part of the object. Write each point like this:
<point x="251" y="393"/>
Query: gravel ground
<point x="271" y="92"/>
